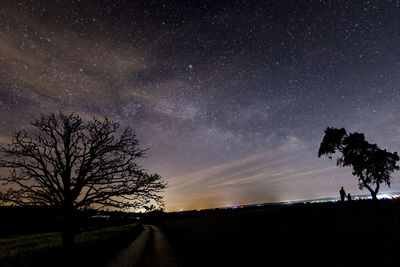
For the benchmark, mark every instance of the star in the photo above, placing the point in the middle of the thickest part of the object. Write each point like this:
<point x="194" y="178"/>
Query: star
<point x="232" y="100"/>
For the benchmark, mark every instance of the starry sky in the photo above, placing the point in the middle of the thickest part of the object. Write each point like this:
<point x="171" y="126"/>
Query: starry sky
<point x="230" y="97"/>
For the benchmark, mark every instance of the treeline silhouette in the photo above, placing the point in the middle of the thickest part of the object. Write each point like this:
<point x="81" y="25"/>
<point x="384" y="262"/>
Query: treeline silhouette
<point x="41" y="219"/>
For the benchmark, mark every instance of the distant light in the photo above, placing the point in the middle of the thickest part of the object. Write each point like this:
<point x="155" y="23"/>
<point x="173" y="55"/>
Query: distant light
<point x="384" y="196"/>
<point x="80" y="69"/>
<point x="190" y="66"/>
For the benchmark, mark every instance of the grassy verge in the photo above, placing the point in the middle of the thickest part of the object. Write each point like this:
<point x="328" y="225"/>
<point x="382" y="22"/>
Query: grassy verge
<point x="93" y="248"/>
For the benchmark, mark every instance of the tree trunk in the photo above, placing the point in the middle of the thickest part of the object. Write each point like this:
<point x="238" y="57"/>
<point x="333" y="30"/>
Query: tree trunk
<point x="68" y="237"/>
<point x="68" y="229"/>
<point x="373" y="192"/>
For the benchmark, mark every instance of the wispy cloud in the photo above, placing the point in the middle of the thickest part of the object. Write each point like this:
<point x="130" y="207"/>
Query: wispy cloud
<point x="266" y="165"/>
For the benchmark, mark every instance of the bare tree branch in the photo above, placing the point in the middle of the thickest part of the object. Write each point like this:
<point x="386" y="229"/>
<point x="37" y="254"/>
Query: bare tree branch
<point x="72" y="164"/>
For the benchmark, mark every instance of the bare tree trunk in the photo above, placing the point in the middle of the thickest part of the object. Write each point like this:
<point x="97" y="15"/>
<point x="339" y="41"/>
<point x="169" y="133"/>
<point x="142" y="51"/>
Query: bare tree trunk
<point x="68" y="237"/>
<point x="68" y="229"/>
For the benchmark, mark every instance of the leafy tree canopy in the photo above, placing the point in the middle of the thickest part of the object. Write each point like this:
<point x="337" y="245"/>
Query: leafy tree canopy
<point x="373" y="166"/>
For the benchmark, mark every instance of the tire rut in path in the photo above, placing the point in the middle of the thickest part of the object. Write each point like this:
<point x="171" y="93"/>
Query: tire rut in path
<point x="150" y="248"/>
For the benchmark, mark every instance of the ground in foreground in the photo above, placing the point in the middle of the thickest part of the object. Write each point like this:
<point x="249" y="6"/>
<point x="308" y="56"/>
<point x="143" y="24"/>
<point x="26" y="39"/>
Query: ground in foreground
<point x="92" y="248"/>
<point x="326" y="234"/>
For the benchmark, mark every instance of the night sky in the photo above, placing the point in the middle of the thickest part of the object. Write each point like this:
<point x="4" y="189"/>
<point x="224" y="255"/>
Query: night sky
<point x="231" y="97"/>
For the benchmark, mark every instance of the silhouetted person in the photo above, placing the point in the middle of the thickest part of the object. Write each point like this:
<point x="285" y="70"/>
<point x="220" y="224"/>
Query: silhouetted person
<point x="342" y="194"/>
<point x="348" y="197"/>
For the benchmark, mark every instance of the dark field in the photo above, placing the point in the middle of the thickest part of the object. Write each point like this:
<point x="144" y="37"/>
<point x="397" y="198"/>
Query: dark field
<point x="324" y="234"/>
<point x="93" y="248"/>
<point x="359" y="233"/>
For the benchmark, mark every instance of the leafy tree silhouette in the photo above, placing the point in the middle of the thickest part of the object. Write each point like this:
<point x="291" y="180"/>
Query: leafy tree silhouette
<point x="372" y="165"/>
<point x="72" y="165"/>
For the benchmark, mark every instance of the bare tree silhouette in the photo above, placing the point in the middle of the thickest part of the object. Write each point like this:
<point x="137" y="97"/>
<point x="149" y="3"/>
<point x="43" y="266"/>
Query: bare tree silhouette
<point x="372" y="165"/>
<point x="71" y="164"/>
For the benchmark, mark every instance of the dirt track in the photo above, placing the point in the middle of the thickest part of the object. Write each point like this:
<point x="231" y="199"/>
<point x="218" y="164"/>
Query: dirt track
<point x="150" y="248"/>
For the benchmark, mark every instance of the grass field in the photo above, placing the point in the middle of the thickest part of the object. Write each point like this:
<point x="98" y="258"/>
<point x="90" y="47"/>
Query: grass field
<point x="93" y="248"/>
<point x="327" y="234"/>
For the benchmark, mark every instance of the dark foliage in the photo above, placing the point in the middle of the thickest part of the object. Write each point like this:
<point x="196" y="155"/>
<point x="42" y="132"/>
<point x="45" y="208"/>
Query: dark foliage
<point x="72" y="165"/>
<point x="373" y="166"/>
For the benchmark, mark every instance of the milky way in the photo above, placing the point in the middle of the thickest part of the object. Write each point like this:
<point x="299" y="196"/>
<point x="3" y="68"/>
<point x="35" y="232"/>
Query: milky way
<point x="230" y="97"/>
